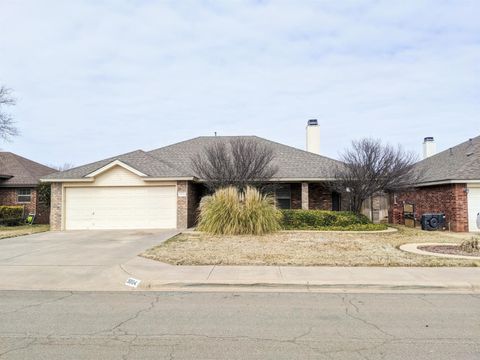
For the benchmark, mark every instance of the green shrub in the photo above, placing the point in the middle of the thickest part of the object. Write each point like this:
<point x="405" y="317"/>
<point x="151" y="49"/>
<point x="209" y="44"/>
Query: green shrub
<point x="327" y="220"/>
<point x="11" y="215"/>
<point x="232" y="212"/>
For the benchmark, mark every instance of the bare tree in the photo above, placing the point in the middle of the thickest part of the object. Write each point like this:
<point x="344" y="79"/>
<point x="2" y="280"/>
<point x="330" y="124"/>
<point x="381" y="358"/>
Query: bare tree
<point x="63" y="167"/>
<point x="238" y="162"/>
<point x="370" y="167"/>
<point x="7" y="125"/>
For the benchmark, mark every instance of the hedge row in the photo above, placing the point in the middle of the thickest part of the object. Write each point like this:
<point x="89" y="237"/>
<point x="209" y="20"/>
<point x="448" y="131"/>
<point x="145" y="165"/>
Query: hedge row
<point x="11" y="215"/>
<point x="327" y="220"/>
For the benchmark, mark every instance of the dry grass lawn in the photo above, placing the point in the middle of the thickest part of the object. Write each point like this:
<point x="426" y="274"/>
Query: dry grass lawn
<point x="12" y="231"/>
<point x="305" y="249"/>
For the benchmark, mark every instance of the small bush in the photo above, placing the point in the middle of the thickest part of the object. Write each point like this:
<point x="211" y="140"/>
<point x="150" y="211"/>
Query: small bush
<point x="232" y="212"/>
<point x="327" y="220"/>
<point x="11" y="215"/>
<point x="472" y="245"/>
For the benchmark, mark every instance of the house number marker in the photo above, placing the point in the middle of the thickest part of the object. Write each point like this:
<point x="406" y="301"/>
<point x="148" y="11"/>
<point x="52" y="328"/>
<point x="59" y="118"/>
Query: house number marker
<point x="132" y="282"/>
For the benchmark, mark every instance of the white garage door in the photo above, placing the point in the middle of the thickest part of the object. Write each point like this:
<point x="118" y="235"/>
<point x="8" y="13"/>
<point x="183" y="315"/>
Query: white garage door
<point x="473" y="208"/>
<point x="121" y="208"/>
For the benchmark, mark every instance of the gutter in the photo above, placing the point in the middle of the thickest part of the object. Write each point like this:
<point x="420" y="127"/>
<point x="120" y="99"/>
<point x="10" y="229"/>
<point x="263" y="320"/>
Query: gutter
<point x="2" y="186"/>
<point x="285" y="180"/>
<point x="143" y="178"/>
<point x="446" y="182"/>
<point x="67" y="180"/>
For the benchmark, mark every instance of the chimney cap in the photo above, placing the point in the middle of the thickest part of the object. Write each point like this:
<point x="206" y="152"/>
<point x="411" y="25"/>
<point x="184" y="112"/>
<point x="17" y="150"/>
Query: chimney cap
<point x="312" y="122"/>
<point x="428" y="138"/>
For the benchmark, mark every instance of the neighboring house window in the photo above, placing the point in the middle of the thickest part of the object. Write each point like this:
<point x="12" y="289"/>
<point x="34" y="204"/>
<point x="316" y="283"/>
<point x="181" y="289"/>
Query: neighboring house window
<point x="283" y="196"/>
<point x="24" y="195"/>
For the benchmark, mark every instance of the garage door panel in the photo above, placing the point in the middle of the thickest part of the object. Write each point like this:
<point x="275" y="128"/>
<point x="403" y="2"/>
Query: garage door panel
<point x="120" y="207"/>
<point x="473" y="208"/>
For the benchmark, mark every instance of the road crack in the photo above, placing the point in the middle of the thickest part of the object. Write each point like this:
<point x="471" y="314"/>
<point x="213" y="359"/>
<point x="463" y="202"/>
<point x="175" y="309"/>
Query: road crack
<point x="70" y="294"/>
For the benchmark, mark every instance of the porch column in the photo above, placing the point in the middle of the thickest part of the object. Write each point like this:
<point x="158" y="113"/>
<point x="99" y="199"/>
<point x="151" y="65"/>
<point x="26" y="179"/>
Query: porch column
<point x="304" y="196"/>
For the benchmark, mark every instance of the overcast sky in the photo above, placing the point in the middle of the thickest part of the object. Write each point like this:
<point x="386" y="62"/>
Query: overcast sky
<point x="99" y="78"/>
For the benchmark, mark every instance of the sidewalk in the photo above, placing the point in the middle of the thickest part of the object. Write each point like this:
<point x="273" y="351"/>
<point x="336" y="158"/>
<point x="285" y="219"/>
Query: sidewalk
<point x="158" y="276"/>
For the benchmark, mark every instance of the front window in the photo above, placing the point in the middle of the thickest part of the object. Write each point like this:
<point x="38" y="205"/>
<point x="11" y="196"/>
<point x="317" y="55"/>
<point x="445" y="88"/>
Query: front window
<point x="283" y="196"/>
<point x="24" y="195"/>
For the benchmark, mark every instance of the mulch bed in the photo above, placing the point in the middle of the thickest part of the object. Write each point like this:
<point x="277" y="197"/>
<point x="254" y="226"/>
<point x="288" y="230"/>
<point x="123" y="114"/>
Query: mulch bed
<point x="448" y="249"/>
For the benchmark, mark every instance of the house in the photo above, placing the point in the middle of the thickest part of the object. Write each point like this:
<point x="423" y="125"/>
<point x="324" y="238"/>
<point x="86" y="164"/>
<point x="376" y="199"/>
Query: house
<point x="19" y="178"/>
<point x="159" y="188"/>
<point x="449" y="182"/>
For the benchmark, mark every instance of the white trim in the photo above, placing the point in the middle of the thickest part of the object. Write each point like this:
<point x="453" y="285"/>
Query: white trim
<point x="67" y="180"/>
<point x="169" y="178"/>
<point x="301" y="179"/>
<point x="443" y="182"/>
<point x="115" y="163"/>
<point x="148" y="179"/>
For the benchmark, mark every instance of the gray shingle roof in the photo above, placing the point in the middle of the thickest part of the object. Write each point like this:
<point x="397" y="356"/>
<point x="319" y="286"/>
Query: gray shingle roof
<point x="461" y="162"/>
<point x="292" y="163"/>
<point x="18" y="171"/>
<point x="138" y="159"/>
<point x="174" y="161"/>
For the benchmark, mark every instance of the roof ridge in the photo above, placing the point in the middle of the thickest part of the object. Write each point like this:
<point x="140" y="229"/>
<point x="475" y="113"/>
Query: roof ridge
<point x="17" y="157"/>
<point x="112" y="158"/>
<point x="161" y="161"/>
<point x="177" y="143"/>
<point x="21" y="158"/>
<point x="245" y="136"/>
<point x="448" y="149"/>
<point x="297" y="149"/>
<point x="199" y="137"/>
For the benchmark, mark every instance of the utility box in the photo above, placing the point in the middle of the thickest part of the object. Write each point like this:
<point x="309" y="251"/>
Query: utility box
<point x="433" y="221"/>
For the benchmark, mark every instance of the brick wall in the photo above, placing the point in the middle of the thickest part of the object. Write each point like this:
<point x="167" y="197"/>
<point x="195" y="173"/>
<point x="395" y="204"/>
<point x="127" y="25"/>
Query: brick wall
<point x="320" y="197"/>
<point x="296" y="195"/>
<point x="195" y="193"/>
<point x="56" y="207"/>
<point x="450" y="199"/>
<point x="8" y="197"/>
<point x="187" y="206"/>
<point x="182" y="204"/>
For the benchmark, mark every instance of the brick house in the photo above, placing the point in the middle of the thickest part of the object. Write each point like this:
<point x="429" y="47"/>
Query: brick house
<point x="159" y="188"/>
<point x="449" y="183"/>
<point x="19" y="178"/>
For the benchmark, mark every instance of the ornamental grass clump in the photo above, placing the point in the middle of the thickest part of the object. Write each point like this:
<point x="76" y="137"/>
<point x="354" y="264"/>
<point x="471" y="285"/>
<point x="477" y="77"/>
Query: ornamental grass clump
<point x="232" y="212"/>
<point x="470" y="246"/>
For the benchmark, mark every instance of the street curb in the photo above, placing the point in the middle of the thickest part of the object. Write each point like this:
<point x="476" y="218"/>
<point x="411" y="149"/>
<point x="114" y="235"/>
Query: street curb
<point x="187" y="286"/>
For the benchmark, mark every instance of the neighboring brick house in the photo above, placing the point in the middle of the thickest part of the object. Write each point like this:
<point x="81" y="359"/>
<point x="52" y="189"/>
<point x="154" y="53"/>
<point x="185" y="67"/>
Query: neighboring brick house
<point x="449" y="183"/>
<point x="159" y="188"/>
<point x="19" y="178"/>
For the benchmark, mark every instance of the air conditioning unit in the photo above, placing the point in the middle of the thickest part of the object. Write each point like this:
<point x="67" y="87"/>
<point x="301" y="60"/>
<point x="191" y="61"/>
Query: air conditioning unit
<point x="432" y="222"/>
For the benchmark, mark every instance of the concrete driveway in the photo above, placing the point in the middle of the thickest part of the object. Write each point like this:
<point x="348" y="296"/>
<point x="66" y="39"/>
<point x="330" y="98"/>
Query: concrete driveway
<point x="74" y="259"/>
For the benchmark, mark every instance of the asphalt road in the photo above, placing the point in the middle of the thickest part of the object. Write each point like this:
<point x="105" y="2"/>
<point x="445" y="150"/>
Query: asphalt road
<point x="224" y="325"/>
